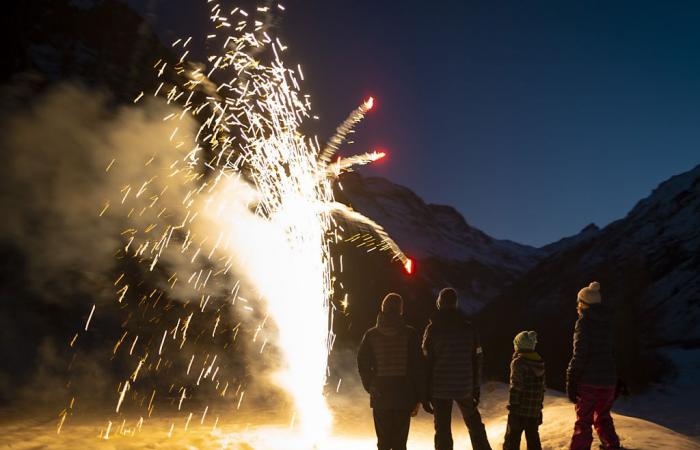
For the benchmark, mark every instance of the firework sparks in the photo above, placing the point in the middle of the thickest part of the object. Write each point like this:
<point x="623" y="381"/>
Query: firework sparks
<point x="346" y="127"/>
<point x="257" y="198"/>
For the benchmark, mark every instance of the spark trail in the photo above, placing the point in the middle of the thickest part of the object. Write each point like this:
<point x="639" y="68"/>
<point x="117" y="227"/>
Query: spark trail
<point x="257" y="199"/>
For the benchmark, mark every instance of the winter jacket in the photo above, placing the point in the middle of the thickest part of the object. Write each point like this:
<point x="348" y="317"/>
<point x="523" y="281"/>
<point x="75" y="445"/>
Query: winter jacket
<point x="390" y="365"/>
<point x="527" y="384"/>
<point x="593" y="360"/>
<point x="453" y="356"/>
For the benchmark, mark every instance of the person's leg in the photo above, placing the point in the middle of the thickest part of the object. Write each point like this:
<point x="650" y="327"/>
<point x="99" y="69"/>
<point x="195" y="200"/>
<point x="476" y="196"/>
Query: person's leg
<point x="532" y="433"/>
<point x="477" y="430"/>
<point x="514" y="430"/>
<point x="585" y="403"/>
<point x="603" y="421"/>
<point x="382" y="427"/>
<point x="401" y="428"/>
<point x="443" y="423"/>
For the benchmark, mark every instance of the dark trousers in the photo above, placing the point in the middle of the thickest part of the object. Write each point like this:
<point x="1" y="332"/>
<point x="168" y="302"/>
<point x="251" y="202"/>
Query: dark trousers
<point x="392" y="428"/>
<point x="472" y="418"/>
<point x="516" y="426"/>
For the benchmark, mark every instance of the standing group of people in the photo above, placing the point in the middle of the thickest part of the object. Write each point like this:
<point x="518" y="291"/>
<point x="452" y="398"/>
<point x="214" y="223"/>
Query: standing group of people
<point x="401" y="372"/>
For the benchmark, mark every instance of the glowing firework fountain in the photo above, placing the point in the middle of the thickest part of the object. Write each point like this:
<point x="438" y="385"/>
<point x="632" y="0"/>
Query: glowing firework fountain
<point x="258" y="195"/>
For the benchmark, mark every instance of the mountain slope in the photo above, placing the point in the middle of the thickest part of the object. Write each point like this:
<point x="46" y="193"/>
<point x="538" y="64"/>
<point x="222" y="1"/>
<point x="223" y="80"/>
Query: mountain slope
<point x="649" y="266"/>
<point x="428" y="230"/>
<point x="448" y="250"/>
<point x="589" y="232"/>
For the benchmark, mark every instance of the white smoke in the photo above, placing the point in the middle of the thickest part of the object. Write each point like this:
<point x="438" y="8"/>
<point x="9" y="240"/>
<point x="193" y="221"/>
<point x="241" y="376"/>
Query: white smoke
<point x="56" y="153"/>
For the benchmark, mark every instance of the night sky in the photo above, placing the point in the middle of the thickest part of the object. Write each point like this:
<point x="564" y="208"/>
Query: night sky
<point x="533" y="119"/>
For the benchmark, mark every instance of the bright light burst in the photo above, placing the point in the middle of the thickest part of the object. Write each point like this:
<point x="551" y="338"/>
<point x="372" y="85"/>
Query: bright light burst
<point x="257" y="198"/>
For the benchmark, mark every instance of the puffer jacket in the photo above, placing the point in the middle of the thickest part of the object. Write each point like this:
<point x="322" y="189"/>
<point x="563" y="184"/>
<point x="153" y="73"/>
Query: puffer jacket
<point x="453" y="356"/>
<point x="593" y="359"/>
<point x="527" y="384"/>
<point x="390" y="365"/>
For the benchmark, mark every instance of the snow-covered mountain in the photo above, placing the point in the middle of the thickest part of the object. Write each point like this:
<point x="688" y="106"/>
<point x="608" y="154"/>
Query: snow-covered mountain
<point x="447" y="249"/>
<point x="426" y="230"/>
<point x="648" y="264"/>
<point x="587" y="233"/>
<point x="99" y="43"/>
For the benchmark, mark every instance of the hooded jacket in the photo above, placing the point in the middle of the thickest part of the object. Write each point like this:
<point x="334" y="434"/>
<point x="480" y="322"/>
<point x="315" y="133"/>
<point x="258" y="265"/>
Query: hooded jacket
<point x="593" y="359"/>
<point x="527" y="384"/>
<point x="453" y="355"/>
<point x="390" y="364"/>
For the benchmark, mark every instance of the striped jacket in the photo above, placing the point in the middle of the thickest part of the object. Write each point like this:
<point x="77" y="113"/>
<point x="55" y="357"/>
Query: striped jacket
<point x="527" y="381"/>
<point x="390" y="365"/>
<point x="453" y="355"/>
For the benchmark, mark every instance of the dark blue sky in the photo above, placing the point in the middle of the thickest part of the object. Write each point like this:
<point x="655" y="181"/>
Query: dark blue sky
<point x="533" y="119"/>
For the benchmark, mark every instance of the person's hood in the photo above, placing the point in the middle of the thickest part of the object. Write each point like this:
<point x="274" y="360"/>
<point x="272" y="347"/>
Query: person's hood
<point x="390" y="323"/>
<point x="449" y="318"/>
<point x="599" y="313"/>
<point x="531" y="360"/>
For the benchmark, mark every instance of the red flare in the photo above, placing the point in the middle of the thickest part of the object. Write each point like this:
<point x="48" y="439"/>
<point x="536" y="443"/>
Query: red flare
<point x="369" y="103"/>
<point x="408" y="266"/>
<point x="380" y="154"/>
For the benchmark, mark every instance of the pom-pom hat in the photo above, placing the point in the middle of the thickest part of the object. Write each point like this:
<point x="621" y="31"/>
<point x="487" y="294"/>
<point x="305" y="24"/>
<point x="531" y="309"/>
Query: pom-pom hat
<point x="525" y="340"/>
<point x="590" y="295"/>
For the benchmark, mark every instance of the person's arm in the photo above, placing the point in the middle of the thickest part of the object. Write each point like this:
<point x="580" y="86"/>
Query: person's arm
<point x="417" y="366"/>
<point x="544" y="388"/>
<point x="365" y="363"/>
<point x="581" y="348"/>
<point x="428" y="361"/>
<point x="478" y="365"/>
<point x="578" y="359"/>
<point x="516" y="384"/>
<point x="428" y="353"/>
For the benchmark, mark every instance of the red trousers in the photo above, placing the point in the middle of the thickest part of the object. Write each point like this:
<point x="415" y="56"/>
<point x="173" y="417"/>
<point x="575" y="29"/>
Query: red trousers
<point x="593" y="404"/>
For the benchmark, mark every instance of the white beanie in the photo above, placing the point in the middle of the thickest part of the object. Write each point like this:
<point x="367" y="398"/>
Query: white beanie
<point x="590" y="295"/>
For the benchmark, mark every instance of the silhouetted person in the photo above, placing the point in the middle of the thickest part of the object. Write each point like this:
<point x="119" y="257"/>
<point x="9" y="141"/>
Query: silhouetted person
<point x="592" y="378"/>
<point x="390" y="366"/>
<point x="527" y="382"/>
<point x="454" y="360"/>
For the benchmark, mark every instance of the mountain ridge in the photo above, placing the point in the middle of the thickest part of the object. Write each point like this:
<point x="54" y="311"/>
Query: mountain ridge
<point x="648" y="264"/>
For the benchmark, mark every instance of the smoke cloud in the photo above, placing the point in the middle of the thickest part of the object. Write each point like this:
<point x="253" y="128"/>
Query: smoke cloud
<point x="56" y="152"/>
<point x="83" y="180"/>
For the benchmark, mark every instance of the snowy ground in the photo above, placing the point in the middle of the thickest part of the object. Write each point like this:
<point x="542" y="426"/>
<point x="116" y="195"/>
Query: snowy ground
<point x="353" y="430"/>
<point x="675" y="403"/>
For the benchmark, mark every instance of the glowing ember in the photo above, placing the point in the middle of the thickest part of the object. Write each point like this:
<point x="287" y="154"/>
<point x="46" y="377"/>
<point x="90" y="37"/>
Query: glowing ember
<point x="408" y="266"/>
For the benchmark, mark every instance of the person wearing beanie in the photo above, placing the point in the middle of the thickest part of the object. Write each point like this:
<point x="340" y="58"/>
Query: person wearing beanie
<point x="454" y="360"/>
<point x="527" y="385"/>
<point x="391" y="369"/>
<point x="591" y="377"/>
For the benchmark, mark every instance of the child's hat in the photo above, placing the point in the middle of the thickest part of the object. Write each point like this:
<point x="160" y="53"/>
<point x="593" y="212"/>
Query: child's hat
<point x="590" y="295"/>
<point x="525" y="340"/>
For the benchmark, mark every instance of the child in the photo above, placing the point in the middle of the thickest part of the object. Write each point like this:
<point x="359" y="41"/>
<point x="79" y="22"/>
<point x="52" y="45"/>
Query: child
<point x="592" y="375"/>
<point x="526" y="393"/>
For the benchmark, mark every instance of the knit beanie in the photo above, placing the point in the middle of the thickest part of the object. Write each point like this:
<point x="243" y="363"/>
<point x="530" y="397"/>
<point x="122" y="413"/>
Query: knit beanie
<point x="525" y="340"/>
<point x="447" y="298"/>
<point x="590" y="295"/>
<point x="392" y="304"/>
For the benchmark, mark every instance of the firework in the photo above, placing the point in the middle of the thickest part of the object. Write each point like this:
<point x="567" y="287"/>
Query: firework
<point x="344" y="128"/>
<point x="254" y="197"/>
